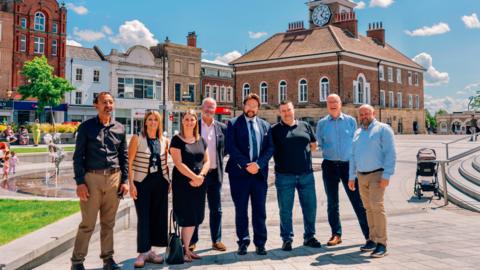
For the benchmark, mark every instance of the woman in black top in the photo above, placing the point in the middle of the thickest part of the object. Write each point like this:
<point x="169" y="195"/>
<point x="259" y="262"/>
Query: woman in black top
<point x="149" y="185"/>
<point x="190" y="156"/>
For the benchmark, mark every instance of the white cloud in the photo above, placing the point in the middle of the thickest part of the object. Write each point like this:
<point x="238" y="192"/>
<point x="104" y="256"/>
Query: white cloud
<point x="72" y="42"/>
<point x="360" y="5"/>
<point x="471" y="21"/>
<point x="471" y="89"/>
<point x="256" y="35"/>
<point x="433" y="77"/>
<point x="87" y="35"/>
<point x="446" y="103"/>
<point x="381" y="3"/>
<point x="107" y="30"/>
<point x="436" y="29"/>
<point x="80" y="10"/>
<point x="225" y="59"/>
<point x="134" y="33"/>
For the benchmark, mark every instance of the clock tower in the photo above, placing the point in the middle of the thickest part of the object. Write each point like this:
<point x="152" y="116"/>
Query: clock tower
<point x="324" y="12"/>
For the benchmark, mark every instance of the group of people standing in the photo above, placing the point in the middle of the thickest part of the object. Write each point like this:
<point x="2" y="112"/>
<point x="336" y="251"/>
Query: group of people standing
<point x="22" y="137"/>
<point x="106" y="169"/>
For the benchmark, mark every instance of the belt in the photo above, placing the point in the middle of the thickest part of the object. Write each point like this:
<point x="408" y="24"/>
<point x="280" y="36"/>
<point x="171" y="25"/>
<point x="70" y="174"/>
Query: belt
<point x="212" y="170"/>
<point x="374" y="171"/>
<point x="105" y="171"/>
<point x="336" y="161"/>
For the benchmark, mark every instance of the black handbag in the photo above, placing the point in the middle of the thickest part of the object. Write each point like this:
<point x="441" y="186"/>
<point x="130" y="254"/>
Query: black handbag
<point x="174" y="254"/>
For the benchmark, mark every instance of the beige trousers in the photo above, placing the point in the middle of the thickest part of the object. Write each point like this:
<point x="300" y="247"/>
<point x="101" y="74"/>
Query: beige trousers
<point x="103" y="198"/>
<point x="372" y="197"/>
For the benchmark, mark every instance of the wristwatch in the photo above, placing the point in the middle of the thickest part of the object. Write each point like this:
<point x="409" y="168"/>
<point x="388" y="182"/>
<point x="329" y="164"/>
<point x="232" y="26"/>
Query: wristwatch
<point x="202" y="174"/>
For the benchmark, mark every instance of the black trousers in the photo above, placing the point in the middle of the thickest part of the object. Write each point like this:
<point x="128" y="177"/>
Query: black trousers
<point x="214" y="188"/>
<point x="333" y="173"/>
<point x="152" y="212"/>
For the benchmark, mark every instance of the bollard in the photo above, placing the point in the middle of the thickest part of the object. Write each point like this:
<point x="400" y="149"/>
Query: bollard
<point x="444" y="182"/>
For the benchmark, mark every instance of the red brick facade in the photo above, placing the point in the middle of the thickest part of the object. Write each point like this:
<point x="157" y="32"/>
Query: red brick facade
<point x="41" y="21"/>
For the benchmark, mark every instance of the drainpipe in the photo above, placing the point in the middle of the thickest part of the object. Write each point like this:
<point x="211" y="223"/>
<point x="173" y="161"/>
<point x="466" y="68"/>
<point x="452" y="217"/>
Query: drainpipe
<point x="164" y="120"/>
<point x="379" y="93"/>
<point x="234" y="89"/>
<point x="338" y="74"/>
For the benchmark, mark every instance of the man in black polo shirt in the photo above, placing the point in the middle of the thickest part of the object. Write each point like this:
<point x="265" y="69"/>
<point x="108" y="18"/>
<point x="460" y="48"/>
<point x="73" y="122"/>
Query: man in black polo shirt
<point x="294" y="142"/>
<point x="101" y="171"/>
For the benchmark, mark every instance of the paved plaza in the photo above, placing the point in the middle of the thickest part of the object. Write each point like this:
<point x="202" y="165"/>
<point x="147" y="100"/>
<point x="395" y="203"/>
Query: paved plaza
<point x="423" y="234"/>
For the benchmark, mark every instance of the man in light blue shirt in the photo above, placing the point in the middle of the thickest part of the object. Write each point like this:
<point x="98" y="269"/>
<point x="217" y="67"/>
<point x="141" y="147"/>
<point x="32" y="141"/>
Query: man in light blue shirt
<point x="373" y="162"/>
<point x="334" y="136"/>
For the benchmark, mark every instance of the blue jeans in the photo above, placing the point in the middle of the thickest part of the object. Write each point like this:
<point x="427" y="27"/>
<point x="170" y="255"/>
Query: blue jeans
<point x="334" y="173"/>
<point x="305" y="185"/>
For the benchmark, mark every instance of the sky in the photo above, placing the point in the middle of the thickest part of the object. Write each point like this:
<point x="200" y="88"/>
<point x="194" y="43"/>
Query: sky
<point x="441" y="35"/>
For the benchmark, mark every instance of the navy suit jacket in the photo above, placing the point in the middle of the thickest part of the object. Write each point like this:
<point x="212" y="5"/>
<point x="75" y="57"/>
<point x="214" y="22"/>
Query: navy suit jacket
<point x="238" y="147"/>
<point x="220" y="134"/>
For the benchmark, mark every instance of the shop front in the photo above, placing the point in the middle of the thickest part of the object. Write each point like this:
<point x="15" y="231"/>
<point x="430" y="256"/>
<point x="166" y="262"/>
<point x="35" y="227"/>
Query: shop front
<point x="26" y="112"/>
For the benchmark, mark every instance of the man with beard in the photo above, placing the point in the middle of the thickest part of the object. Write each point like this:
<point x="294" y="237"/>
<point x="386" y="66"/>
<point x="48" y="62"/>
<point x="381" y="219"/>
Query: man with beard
<point x="100" y="164"/>
<point x="373" y="162"/>
<point x="213" y="132"/>
<point x="249" y="144"/>
<point x="334" y="135"/>
<point x="294" y="142"/>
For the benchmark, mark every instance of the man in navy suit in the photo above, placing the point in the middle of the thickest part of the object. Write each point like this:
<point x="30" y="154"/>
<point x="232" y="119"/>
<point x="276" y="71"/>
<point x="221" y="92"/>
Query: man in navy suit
<point x="249" y="144"/>
<point x="213" y="132"/>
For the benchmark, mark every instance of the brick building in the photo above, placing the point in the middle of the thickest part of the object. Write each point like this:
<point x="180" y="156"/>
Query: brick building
<point x="183" y="77"/>
<point x="305" y="65"/>
<point x="217" y="83"/>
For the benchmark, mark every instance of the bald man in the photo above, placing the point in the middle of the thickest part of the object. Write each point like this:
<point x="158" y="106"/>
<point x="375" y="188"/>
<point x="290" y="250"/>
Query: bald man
<point x="334" y="135"/>
<point x="373" y="162"/>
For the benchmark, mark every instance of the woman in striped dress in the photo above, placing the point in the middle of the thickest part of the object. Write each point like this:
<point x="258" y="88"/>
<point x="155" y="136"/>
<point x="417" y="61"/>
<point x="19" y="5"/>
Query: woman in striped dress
<point x="149" y="186"/>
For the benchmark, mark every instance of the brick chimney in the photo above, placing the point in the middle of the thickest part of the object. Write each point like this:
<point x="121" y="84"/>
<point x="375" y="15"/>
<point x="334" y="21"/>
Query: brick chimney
<point x="192" y="39"/>
<point x="295" y="26"/>
<point x="347" y="21"/>
<point x="376" y="33"/>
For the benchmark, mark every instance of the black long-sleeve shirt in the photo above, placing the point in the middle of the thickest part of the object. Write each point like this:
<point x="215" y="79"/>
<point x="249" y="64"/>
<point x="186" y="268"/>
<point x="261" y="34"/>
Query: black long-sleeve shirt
<point x="100" y="147"/>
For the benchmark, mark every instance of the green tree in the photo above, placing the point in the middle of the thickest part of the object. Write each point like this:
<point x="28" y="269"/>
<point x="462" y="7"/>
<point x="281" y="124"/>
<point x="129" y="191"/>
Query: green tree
<point x="475" y="103"/>
<point x="430" y="120"/>
<point x="42" y="85"/>
<point x="441" y="112"/>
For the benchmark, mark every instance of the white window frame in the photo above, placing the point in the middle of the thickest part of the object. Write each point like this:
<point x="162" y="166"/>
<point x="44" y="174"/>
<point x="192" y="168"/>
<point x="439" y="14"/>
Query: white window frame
<point x="366" y="92"/>
<point x="391" y="99"/>
<point x="23" y="43"/>
<point x="302" y="87"/>
<point x="399" y="100"/>
<point x="399" y="75"/>
<point x="382" y="99"/>
<point x="246" y="90"/>
<point x="229" y="94"/>
<point x="78" y="75"/>
<point x="410" y="78"/>
<point x="416" y="78"/>
<point x="390" y="74"/>
<point x="381" y="71"/>
<point x="54" y="45"/>
<point x="263" y="93"/>
<point x="23" y="23"/>
<point x="76" y="96"/>
<point x="39" y="21"/>
<point x="207" y="90"/>
<point x="324" y="89"/>
<point x="215" y="93"/>
<point x="39" y="45"/>
<point x="410" y="101"/>
<point x="223" y="94"/>
<point x="417" y="101"/>
<point x="282" y="88"/>
<point x="97" y="77"/>
<point x="55" y="27"/>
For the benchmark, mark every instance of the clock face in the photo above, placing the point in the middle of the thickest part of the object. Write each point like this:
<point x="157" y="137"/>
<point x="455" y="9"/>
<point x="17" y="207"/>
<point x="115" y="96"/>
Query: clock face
<point x="321" y="15"/>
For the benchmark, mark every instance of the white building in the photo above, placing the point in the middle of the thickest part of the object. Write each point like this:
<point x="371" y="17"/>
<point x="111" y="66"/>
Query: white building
<point x="137" y="84"/>
<point x="89" y="72"/>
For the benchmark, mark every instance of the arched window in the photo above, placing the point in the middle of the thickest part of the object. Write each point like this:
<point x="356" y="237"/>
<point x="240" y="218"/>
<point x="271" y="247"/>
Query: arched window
<point x="361" y="90"/>
<point x="302" y="91"/>
<point x="282" y="91"/>
<point x="246" y="90"/>
<point x="39" y="21"/>
<point x="324" y="88"/>
<point x="263" y="93"/>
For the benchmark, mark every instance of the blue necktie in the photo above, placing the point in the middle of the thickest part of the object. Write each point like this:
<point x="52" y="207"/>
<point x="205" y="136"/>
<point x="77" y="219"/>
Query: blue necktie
<point x="254" y="142"/>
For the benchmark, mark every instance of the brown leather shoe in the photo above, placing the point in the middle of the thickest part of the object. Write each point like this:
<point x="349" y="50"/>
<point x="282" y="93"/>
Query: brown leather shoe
<point x="219" y="246"/>
<point x="334" y="240"/>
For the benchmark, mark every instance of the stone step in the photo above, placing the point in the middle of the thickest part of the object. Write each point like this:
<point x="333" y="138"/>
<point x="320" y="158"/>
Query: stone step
<point x="469" y="172"/>
<point x="460" y="183"/>
<point x="476" y="163"/>
<point x="455" y="189"/>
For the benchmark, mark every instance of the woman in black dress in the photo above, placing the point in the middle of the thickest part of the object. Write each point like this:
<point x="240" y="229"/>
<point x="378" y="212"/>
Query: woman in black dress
<point x="190" y="156"/>
<point x="149" y="185"/>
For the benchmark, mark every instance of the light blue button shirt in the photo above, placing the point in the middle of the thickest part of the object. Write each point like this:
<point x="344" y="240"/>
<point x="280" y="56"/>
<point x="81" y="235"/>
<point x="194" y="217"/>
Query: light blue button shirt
<point x="257" y="134"/>
<point x="373" y="148"/>
<point x="335" y="136"/>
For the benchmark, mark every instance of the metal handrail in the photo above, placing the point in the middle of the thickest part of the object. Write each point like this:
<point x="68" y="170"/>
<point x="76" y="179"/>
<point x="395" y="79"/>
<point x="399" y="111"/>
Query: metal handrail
<point x="475" y="134"/>
<point x="442" y="164"/>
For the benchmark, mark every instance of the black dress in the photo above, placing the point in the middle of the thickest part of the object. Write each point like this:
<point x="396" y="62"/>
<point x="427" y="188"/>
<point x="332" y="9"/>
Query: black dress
<point x="188" y="201"/>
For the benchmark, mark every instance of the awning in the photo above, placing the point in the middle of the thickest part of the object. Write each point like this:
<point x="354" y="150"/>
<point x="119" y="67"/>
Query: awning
<point x="32" y="106"/>
<point x="223" y="111"/>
